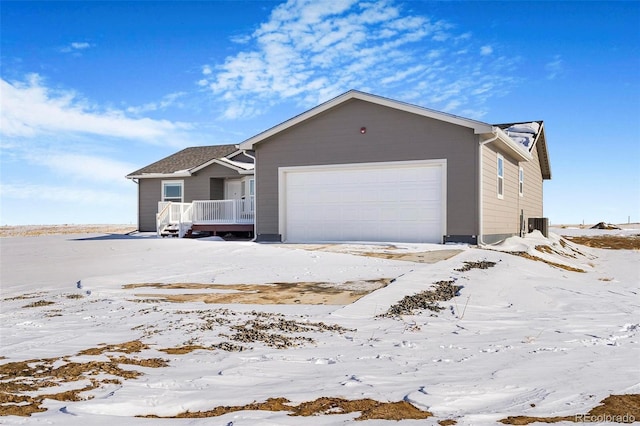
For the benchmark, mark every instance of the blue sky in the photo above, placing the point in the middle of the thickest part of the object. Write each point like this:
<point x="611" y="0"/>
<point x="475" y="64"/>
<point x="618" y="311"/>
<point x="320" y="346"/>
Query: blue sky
<point x="92" y="91"/>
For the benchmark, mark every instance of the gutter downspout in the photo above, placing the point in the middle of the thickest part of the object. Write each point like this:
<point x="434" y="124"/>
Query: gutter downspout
<point x="480" y="216"/>
<point x="255" y="195"/>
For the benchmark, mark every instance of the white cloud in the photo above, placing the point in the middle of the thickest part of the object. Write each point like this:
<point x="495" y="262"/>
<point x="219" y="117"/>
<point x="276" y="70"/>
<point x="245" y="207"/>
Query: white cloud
<point x="168" y="100"/>
<point x="555" y="67"/>
<point x="241" y="39"/>
<point x="80" y="46"/>
<point x="82" y="167"/>
<point x="29" y="109"/>
<point x="307" y="53"/>
<point x="75" y="47"/>
<point x="486" y="50"/>
<point x="29" y="191"/>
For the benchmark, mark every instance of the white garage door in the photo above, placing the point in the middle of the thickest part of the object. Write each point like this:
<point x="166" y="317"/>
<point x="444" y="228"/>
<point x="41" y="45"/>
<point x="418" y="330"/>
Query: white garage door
<point x="399" y="201"/>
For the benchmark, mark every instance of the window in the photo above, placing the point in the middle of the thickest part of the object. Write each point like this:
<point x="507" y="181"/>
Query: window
<point x="248" y="192"/>
<point x="172" y="190"/>
<point x="500" y="176"/>
<point x="248" y="187"/>
<point x="521" y="181"/>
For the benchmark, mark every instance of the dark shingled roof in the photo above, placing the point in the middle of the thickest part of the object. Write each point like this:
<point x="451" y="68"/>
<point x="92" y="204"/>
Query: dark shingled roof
<point x="187" y="159"/>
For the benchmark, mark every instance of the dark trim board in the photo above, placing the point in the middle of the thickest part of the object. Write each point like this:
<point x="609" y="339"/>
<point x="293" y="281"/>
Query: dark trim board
<point x="464" y="239"/>
<point x="223" y="228"/>
<point x="269" y="238"/>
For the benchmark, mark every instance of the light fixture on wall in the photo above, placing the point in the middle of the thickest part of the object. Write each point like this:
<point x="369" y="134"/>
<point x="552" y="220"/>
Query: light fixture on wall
<point x="363" y="130"/>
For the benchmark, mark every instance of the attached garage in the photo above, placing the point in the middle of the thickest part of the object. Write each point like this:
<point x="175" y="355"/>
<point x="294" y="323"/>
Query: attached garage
<point x="387" y="201"/>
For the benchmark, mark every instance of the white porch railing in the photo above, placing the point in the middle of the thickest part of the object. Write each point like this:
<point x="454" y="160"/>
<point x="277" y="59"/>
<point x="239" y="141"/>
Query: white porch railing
<point x="223" y="211"/>
<point x="205" y="212"/>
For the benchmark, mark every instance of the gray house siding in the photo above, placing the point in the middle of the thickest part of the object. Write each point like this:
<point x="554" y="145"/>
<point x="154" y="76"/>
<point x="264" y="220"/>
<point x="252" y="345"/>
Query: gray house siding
<point x="200" y="186"/>
<point x="149" y="193"/>
<point x="334" y="137"/>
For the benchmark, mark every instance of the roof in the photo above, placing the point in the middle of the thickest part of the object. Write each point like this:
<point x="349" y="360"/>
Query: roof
<point x="531" y="135"/>
<point x="182" y="163"/>
<point x="478" y="126"/>
<point x="520" y="147"/>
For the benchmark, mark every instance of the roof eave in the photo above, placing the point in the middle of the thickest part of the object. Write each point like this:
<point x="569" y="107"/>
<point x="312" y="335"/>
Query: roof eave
<point x="511" y="146"/>
<point x="222" y="163"/>
<point x="543" y="153"/>
<point x="159" y="175"/>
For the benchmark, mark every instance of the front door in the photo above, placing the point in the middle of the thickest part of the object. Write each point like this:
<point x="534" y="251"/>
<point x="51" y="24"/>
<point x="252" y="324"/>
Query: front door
<point x="234" y="189"/>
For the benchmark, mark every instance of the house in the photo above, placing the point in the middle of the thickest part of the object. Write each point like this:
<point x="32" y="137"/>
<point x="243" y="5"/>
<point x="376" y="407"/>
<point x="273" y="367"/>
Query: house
<point x="205" y="188"/>
<point x="358" y="167"/>
<point x="361" y="167"/>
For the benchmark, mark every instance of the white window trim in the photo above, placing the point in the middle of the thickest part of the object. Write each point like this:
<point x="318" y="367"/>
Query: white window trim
<point x="521" y="181"/>
<point x="164" y="182"/>
<point x="248" y="187"/>
<point x="500" y="178"/>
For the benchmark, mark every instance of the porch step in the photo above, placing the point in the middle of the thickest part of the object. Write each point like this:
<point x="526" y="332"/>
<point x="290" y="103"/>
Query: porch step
<point x="170" y="231"/>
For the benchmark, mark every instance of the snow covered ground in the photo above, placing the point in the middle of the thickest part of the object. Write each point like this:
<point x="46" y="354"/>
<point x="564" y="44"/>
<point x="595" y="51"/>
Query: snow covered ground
<point x="523" y="337"/>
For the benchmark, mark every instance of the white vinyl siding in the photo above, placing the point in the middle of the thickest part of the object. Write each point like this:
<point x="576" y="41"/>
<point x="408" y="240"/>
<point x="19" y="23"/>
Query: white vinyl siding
<point x="173" y="190"/>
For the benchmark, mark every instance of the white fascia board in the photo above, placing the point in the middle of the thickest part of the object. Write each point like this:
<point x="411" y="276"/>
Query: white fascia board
<point x="221" y="161"/>
<point x="477" y="126"/>
<point x="515" y="148"/>
<point x="238" y="164"/>
<point x="160" y="175"/>
<point x="233" y="154"/>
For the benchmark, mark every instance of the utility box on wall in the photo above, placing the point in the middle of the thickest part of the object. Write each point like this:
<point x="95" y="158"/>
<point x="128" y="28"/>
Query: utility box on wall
<point x="539" y="223"/>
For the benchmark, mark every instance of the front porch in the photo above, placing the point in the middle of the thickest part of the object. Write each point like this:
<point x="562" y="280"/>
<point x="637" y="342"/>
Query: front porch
<point x="180" y="219"/>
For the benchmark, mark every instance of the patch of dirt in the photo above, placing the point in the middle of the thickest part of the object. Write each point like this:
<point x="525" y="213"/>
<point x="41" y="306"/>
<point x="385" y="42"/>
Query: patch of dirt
<point x="417" y="257"/>
<point x="23" y="297"/>
<point x="548" y="262"/>
<point x="39" y="230"/>
<point x="565" y="245"/>
<point x="614" y="408"/>
<point x="74" y="296"/>
<point x="612" y="242"/>
<point x="181" y="350"/>
<point x="302" y="293"/>
<point x="22" y="382"/>
<point x="390" y="252"/>
<point x="133" y="346"/>
<point x="447" y="422"/>
<point x="38" y="304"/>
<point x="368" y="409"/>
<point x="551" y="250"/>
<point x="428" y="299"/>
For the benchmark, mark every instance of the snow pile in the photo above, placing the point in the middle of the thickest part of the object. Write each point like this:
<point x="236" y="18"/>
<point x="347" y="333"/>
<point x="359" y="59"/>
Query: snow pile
<point x="554" y="249"/>
<point x="524" y="133"/>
